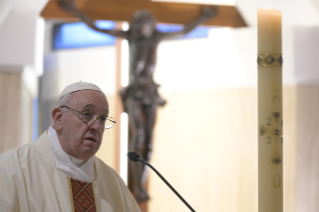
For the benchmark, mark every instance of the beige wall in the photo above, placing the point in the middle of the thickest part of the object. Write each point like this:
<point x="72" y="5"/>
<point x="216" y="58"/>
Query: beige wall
<point x="307" y="146"/>
<point x="15" y="111"/>
<point x="107" y="150"/>
<point x="10" y="110"/>
<point x="290" y="99"/>
<point x="206" y="146"/>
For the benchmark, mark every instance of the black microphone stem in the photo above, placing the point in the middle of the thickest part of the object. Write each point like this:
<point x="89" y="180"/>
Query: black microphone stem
<point x="167" y="183"/>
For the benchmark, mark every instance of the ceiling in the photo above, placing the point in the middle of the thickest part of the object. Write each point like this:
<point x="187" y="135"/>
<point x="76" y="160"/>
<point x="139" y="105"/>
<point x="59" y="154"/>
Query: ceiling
<point x="295" y="12"/>
<point x="165" y="12"/>
<point x="213" y="2"/>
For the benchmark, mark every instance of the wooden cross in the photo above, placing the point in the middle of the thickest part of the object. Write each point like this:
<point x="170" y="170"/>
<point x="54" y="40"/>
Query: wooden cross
<point x="123" y="10"/>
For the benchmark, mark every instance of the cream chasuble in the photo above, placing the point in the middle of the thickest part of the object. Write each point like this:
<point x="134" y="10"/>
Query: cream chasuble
<point x="30" y="182"/>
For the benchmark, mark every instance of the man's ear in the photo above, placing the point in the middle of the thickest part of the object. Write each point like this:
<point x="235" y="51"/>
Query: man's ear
<point x="57" y="118"/>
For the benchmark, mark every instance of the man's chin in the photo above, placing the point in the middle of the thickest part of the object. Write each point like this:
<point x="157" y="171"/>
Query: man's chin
<point x="87" y="152"/>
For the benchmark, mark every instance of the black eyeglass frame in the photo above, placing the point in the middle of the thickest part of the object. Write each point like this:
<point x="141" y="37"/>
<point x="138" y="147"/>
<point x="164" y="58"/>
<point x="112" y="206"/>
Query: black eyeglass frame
<point x="97" y="117"/>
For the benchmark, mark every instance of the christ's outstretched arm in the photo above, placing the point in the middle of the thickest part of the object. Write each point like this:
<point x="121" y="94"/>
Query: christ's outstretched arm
<point x="69" y="6"/>
<point x="207" y="13"/>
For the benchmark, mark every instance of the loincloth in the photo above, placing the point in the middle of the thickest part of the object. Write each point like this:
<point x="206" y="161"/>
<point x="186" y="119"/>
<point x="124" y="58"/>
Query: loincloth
<point x="147" y="95"/>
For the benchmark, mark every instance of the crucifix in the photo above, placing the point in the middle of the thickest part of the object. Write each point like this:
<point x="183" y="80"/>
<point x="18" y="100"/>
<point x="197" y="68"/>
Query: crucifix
<point x="140" y="98"/>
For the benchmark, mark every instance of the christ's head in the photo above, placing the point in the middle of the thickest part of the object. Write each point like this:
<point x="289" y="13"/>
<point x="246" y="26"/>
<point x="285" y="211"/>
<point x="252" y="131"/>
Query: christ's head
<point x="143" y="23"/>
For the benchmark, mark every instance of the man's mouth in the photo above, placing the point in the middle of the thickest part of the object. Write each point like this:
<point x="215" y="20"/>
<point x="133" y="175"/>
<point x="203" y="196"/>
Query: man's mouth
<point x="91" y="139"/>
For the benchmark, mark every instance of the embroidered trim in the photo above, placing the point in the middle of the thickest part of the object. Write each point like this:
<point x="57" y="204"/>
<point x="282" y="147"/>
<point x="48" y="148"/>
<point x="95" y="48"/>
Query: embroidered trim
<point x="83" y="196"/>
<point x="94" y="192"/>
<point x="70" y="194"/>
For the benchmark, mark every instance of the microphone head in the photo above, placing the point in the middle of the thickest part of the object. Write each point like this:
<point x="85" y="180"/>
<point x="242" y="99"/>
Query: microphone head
<point x="133" y="156"/>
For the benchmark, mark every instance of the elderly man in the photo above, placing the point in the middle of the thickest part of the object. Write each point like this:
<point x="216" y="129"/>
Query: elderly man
<point x="59" y="172"/>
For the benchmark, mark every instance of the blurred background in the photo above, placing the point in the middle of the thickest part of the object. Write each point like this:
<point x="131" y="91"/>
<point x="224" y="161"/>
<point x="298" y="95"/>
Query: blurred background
<point x="205" y="140"/>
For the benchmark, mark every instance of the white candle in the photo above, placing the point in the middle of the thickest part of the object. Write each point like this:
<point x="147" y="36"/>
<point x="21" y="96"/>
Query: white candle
<point x="269" y="60"/>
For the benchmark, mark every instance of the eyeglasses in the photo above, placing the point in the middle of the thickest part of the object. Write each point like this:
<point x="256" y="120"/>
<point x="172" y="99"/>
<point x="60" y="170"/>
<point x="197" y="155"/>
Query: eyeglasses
<point x="106" y="122"/>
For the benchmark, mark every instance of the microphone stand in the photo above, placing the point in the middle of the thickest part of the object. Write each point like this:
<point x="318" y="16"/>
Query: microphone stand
<point x="167" y="183"/>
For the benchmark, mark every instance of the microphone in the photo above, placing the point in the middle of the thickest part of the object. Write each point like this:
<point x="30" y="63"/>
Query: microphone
<point x="133" y="156"/>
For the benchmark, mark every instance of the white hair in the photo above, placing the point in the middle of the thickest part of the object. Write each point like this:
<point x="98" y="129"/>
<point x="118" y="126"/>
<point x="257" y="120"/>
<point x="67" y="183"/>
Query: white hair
<point x="64" y="100"/>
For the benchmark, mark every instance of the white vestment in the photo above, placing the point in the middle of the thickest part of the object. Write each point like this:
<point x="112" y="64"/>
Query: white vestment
<point x="30" y="182"/>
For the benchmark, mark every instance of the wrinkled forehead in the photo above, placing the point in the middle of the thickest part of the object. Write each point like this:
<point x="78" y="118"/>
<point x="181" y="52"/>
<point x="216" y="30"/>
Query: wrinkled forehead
<point x="89" y="99"/>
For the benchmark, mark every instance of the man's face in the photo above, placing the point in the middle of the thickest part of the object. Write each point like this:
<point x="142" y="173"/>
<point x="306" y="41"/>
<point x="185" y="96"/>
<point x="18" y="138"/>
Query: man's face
<point x="79" y="139"/>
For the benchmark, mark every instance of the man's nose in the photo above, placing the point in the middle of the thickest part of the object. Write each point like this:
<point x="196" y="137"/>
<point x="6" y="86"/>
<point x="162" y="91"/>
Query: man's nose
<point x="96" y="125"/>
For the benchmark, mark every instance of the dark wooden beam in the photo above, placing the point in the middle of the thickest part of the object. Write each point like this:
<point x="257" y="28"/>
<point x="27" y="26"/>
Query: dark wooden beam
<point x="123" y="10"/>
